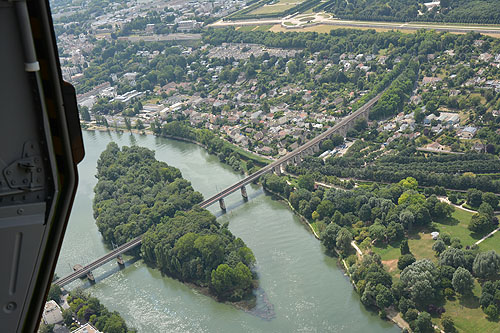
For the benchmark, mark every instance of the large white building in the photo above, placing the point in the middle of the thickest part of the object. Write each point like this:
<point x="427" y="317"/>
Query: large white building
<point x="87" y="328"/>
<point x="52" y="313"/>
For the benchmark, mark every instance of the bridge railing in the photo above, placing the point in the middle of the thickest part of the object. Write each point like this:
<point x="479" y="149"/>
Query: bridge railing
<point x="138" y="240"/>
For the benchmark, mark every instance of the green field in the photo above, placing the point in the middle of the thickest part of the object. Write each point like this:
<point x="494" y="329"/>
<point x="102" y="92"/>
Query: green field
<point x="456" y="226"/>
<point x="278" y="7"/>
<point x="263" y="27"/>
<point x="246" y="28"/>
<point x="467" y="313"/>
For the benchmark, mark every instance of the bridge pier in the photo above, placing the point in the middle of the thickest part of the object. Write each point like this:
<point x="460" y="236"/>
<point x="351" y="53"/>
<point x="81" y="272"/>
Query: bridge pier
<point x="120" y="261"/>
<point x="222" y="204"/>
<point x="244" y="192"/>
<point x="277" y="170"/>
<point x="91" y="278"/>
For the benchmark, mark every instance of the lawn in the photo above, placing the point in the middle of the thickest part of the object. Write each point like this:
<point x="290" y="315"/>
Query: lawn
<point x="246" y="28"/>
<point x="457" y="225"/>
<point x="492" y="243"/>
<point x="387" y="251"/>
<point x="467" y="314"/>
<point x="263" y="27"/>
<point x="278" y="7"/>
<point x="465" y="311"/>
<point x="421" y="246"/>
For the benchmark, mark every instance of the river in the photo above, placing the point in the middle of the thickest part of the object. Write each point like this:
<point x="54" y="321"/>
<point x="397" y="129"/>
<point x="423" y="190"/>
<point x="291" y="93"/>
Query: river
<point x="309" y="292"/>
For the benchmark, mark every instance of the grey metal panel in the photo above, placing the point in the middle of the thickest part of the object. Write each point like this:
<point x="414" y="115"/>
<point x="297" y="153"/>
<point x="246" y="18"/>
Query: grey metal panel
<point x="25" y="171"/>
<point x="21" y="228"/>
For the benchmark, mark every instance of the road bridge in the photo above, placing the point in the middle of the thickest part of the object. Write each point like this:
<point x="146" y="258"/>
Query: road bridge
<point x="309" y="148"/>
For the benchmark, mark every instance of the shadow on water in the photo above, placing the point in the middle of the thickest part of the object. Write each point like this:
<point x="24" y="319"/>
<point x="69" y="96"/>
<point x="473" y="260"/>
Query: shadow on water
<point x="240" y="203"/>
<point x="263" y="308"/>
<point x="109" y="272"/>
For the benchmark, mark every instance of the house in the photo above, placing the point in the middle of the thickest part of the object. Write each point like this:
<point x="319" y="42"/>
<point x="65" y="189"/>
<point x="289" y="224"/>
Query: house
<point x="428" y="119"/>
<point x="468" y="132"/>
<point x="437" y="147"/>
<point x="430" y="80"/>
<point x="416" y="99"/>
<point x="52" y="313"/>
<point x="479" y="147"/>
<point x="87" y="328"/>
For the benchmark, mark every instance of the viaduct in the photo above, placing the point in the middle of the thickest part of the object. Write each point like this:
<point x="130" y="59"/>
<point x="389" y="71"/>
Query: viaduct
<point x="294" y="157"/>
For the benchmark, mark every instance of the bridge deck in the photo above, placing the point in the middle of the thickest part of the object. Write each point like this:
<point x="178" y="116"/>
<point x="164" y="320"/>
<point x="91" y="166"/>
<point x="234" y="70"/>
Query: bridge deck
<point x="268" y="168"/>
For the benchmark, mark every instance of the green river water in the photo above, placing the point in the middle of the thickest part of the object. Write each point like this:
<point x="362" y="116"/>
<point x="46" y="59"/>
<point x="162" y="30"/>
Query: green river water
<point x="307" y="289"/>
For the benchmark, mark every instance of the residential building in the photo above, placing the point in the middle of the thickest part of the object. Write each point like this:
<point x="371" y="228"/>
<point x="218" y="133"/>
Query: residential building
<point x="52" y="313"/>
<point x="87" y="328"/>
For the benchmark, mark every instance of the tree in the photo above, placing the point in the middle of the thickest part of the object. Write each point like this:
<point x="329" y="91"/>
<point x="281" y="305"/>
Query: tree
<point x="67" y="317"/>
<point x="423" y="323"/>
<point x="54" y="293"/>
<point x="404" y="248"/>
<point x="365" y="213"/>
<point x="480" y="223"/>
<point x="439" y="246"/>
<point x="405" y="260"/>
<point x="407" y="218"/>
<point x="419" y="280"/>
<point x="384" y="297"/>
<point x="453" y="198"/>
<point x="377" y="232"/>
<point x="474" y="197"/>
<point x="491" y="311"/>
<point x="409" y="183"/>
<point x="139" y="124"/>
<point x="128" y="124"/>
<point x="306" y="182"/>
<point x="343" y="240"/>
<point x="115" y="324"/>
<point x="442" y="210"/>
<point x="452" y="257"/>
<point x="327" y="145"/>
<point x="486" y="264"/>
<point x="448" y="324"/>
<point x="44" y="328"/>
<point x="491" y="199"/>
<point x="486" y="209"/>
<point x="325" y="208"/>
<point x="84" y="112"/>
<point x="329" y="236"/>
<point x="463" y="282"/>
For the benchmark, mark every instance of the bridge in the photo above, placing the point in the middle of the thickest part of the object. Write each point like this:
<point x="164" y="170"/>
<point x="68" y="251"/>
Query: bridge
<point x="309" y="148"/>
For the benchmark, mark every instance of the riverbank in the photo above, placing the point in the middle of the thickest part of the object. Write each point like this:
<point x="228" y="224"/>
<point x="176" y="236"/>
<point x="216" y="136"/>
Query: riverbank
<point x="302" y="218"/>
<point x="249" y="304"/>
<point x="307" y="289"/>
<point x="243" y="156"/>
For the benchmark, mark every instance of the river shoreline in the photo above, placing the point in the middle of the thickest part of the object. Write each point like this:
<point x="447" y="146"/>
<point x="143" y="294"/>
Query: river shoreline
<point x="170" y="302"/>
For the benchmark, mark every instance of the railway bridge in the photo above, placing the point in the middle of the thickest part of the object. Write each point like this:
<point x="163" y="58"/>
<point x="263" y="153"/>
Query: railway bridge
<point x="308" y="148"/>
